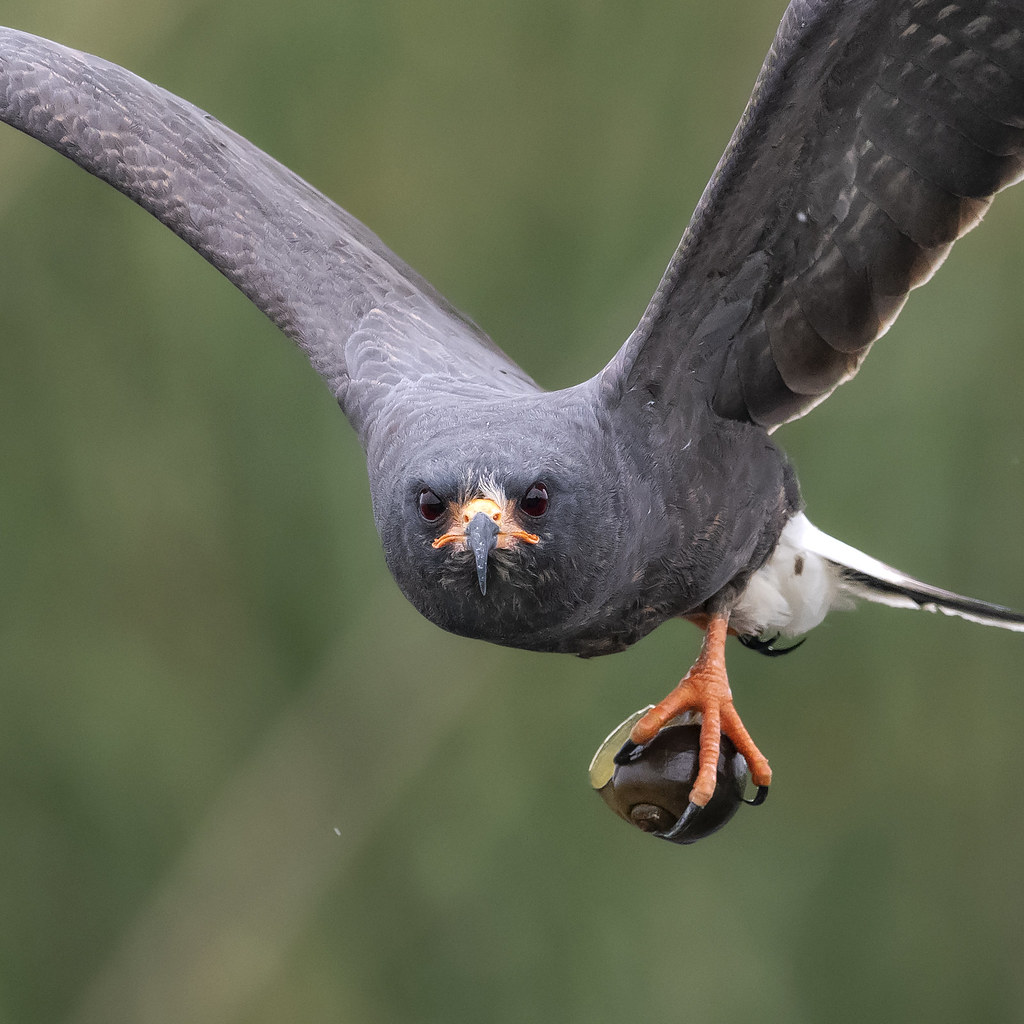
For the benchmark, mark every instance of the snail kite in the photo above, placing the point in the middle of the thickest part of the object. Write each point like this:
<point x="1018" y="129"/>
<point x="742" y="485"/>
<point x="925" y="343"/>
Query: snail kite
<point x="579" y="520"/>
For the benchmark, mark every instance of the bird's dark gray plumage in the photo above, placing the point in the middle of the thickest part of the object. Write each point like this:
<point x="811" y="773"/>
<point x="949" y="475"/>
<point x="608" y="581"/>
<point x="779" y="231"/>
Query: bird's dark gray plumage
<point x="876" y="135"/>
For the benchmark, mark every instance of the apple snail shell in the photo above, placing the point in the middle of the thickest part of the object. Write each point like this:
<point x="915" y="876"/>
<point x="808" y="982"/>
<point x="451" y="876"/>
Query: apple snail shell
<point x="649" y="786"/>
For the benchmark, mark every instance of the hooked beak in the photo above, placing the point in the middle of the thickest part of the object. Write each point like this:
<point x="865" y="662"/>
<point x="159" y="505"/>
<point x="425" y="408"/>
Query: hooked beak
<point x="481" y="525"/>
<point x="482" y="534"/>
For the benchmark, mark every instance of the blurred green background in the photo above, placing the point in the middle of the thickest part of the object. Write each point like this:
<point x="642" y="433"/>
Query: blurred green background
<point x="242" y="781"/>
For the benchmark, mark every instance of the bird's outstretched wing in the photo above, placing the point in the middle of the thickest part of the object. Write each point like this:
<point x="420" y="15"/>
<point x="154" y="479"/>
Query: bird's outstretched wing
<point x="877" y="133"/>
<point x="368" y="323"/>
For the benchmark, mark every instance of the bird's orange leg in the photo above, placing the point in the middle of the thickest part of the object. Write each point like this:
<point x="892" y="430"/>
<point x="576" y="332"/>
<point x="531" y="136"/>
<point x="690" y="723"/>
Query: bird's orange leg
<point x="705" y="688"/>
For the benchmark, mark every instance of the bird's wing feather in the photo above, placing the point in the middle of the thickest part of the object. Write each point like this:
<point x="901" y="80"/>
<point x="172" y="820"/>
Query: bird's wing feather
<point x="877" y="133"/>
<point x="368" y="323"/>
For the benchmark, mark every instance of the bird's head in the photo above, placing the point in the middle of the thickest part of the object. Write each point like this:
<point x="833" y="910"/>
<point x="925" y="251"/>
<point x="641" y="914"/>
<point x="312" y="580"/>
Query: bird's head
<point x="506" y="539"/>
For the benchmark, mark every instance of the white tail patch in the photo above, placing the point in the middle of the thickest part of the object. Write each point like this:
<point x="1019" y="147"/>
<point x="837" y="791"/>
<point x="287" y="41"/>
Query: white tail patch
<point x="811" y="573"/>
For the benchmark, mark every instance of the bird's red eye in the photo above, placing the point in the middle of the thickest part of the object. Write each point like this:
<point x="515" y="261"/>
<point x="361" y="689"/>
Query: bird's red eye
<point x="431" y="506"/>
<point x="535" y="501"/>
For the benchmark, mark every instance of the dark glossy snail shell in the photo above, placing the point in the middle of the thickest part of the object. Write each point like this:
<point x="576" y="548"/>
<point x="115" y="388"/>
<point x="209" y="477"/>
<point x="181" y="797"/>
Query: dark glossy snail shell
<point x="651" y="787"/>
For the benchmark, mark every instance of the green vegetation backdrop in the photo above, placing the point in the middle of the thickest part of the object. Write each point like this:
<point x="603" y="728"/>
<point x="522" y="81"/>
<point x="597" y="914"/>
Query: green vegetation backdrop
<point x="242" y="781"/>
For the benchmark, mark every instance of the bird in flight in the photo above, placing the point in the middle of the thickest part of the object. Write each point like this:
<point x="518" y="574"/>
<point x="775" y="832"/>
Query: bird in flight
<point x="578" y="520"/>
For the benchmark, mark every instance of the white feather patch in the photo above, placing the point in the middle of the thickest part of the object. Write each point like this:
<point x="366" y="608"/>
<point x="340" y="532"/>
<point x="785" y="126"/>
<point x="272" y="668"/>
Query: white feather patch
<point x="810" y="573"/>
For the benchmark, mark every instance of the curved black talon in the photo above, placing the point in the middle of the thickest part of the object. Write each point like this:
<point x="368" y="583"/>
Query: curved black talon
<point x="685" y="820"/>
<point x="758" y="798"/>
<point x="766" y="645"/>
<point x="628" y="752"/>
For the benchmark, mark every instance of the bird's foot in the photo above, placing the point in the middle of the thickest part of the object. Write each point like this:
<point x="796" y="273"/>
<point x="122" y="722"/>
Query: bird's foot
<point x="705" y="688"/>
